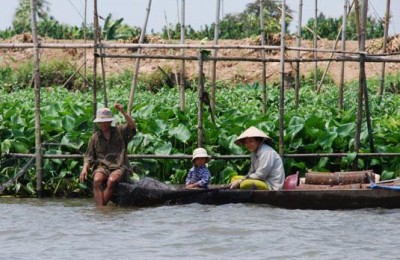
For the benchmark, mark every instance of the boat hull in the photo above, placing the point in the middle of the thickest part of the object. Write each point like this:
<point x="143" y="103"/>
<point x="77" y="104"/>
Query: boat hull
<point x="129" y="195"/>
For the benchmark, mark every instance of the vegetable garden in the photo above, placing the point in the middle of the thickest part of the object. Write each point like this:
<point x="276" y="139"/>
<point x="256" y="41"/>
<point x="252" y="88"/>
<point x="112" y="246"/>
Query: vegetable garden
<point x="315" y="127"/>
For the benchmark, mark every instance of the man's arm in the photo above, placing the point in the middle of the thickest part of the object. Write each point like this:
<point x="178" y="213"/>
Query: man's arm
<point x="129" y="120"/>
<point x="84" y="172"/>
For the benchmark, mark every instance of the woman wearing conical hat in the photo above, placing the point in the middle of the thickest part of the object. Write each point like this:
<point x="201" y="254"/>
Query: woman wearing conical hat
<point x="266" y="167"/>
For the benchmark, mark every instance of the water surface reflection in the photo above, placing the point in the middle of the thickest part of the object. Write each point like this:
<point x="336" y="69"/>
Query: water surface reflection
<point x="75" y="229"/>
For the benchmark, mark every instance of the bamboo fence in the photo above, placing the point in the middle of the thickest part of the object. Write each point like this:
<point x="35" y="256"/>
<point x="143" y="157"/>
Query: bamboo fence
<point x="342" y="56"/>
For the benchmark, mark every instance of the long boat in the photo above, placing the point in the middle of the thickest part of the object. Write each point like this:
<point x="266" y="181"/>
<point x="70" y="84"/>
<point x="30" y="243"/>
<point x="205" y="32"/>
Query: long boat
<point x="149" y="192"/>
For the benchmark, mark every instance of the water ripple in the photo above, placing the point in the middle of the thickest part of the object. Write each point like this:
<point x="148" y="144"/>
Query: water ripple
<point x="75" y="229"/>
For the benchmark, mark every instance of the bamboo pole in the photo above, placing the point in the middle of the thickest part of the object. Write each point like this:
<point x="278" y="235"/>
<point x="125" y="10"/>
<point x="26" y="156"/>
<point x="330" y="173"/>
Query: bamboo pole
<point x="363" y="76"/>
<point x="103" y="75"/>
<point x="264" y="65"/>
<point x="315" y="45"/>
<point x="305" y="26"/>
<point x="369" y="58"/>
<point x="200" y="90"/>
<point x="222" y="157"/>
<point x="171" y="51"/>
<point x="95" y="41"/>
<point x="360" y="91"/>
<point x="298" y="44"/>
<point x="137" y="64"/>
<point x="183" y="69"/>
<point x="346" y="10"/>
<point x="85" y="51"/>
<point x="36" y="78"/>
<point x="363" y="91"/>
<point x="385" y="36"/>
<point x="332" y="54"/>
<point x="73" y="74"/>
<point x="18" y="175"/>
<point x="215" y="54"/>
<point x="282" y="74"/>
<point x="98" y="42"/>
<point x="172" y="46"/>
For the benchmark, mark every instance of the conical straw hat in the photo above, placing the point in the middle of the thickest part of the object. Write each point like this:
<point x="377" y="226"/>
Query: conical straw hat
<point x="251" y="132"/>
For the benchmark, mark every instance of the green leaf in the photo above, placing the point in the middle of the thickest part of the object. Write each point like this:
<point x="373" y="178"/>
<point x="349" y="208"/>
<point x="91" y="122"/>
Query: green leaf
<point x="227" y="174"/>
<point x="157" y="126"/>
<point x="164" y="150"/>
<point x="19" y="147"/>
<point x="5" y="146"/>
<point x="68" y="141"/>
<point x="387" y="175"/>
<point x="17" y="133"/>
<point x="68" y="123"/>
<point x="146" y="111"/>
<point x="181" y="133"/>
<point x="346" y="130"/>
<point x="228" y="142"/>
<point x="325" y="140"/>
<point x="350" y="157"/>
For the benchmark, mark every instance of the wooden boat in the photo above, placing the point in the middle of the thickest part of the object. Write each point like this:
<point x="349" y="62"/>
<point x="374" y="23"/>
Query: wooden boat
<point x="150" y="192"/>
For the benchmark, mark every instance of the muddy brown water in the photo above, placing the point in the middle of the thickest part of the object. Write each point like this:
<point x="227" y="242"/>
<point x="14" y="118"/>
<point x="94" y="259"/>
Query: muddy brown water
<point x="75" y="229"/>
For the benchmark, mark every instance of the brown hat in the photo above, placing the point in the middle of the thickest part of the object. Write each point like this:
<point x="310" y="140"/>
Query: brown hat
<point x="252" y="132"/>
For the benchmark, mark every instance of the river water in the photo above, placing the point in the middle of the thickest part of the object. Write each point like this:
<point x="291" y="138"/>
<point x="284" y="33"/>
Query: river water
<point x="75" y="229"/>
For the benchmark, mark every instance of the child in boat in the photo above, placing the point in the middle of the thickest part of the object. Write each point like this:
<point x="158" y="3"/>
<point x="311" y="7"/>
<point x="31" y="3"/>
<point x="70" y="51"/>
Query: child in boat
<point x="266" y="167"/>
<point x="199" y="175"/>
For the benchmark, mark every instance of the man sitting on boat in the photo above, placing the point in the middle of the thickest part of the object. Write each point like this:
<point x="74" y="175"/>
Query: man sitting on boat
<point x="106" y="153"/>
<point x="266" y="166"/>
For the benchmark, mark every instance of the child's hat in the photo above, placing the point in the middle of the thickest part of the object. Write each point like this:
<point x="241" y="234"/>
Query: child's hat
<point x="200" y="153"/>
